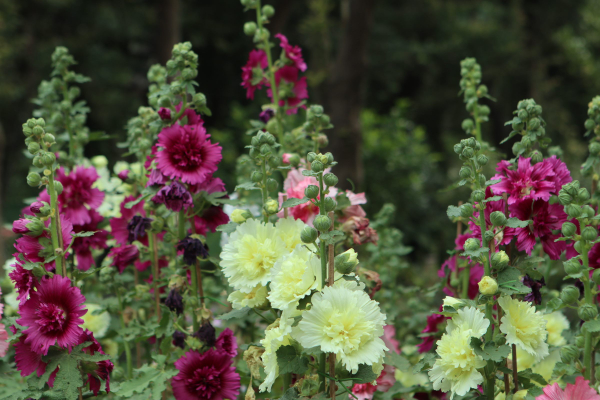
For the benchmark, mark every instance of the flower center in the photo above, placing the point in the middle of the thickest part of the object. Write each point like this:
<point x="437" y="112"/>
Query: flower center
<point x="51" y="318"/>
<point x="186" y="154"/>
<point x="206" y="381"/>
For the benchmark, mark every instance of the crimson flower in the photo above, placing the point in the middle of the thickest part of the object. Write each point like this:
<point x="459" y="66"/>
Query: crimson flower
<point x="226" y="343"/>
<point x="120" y="226"/>
<point x="527" y="182"/>
<point x="24" y="281"/>
<point x="286" y="79"/>
<point x="292" y="53"/>
<point x="210" y="219"/>
<point x="124" y="256"/>
<point x="252" y="74"/>
<point x="103" y="368"/>
<point x="82" y="246"/>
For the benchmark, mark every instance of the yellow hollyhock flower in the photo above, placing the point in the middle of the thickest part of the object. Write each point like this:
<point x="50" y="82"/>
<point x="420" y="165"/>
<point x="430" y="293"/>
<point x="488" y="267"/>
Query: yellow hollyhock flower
<point x="556" y="323"/>
<point x="254" y="298"/>
<point x="276" y="335"/>
<point x="289" y="230"/>
<point x="98" y="324"/>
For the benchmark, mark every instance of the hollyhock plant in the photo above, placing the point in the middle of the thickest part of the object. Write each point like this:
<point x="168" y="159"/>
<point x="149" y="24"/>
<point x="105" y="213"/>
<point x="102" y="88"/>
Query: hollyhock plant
<point x="82" y="246"/>
<point x="209" y="185"/>
<point x="287" y="77"/>
<point x="252" y="73"/>
<point x="361" y="231"/>
<point x="292" y="53"/>
<point x="502" y="234"/>
<point x="40" y="248"/>
<point x="104" y="367"/>
<point x="124" y="256"/>
<point x="121" y="228"/>
<point x="581" y="390"/>
<point x="207" y="375"/>
<point x="52" y="315"/>
<point x="137" y="228"/>
<point x="174" y="196"/>
<point x="192" y="248"/>
<point x="192" y="117"/>
<point x="187" y="153"/>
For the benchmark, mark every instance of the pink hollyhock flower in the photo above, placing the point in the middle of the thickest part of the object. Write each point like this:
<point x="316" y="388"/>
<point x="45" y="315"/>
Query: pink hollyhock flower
<point x="164" y="113"/>
<point x="389" y="338"/>
<point x="293" y="53"/>
<point x="527" y="182"/>
<point x="20" y="226"/>
<point x="432" y="327"/>
<point x="53" y="315"/>
<point x="363" y="391"/>
<point x="386" y="379"/>
<point x="361" y="231"/>
<point x="123" y="175"/>
<point x="285" y="157"/>
<point x="150" y="157"/>
<point x="119" y="226"/>
<point x="174" y="196"/>
<point x="78" y="198"/>
<point x="82" y="246"/>
<point x="124" y="256"/>
<point x="257" y="60"/>
<point x="286" y="77"/>
<point x="561" y="176"/>
<point x="209" y="220"/>
<point x="187" y="153"/>
<point x="24" y="281"/>
<point x="156" y="178"/>
<point x="581" y="390"/>
<point x="227" y="343"/>
<point x="294" y="185"/>
<point x="36" y="207"/>
<point x="192" y="117"/>
<point x="104" y="368"/>
<point x="355" y="210"/>
<point x="40" y="248"/>
<point x="546" y="219"/>
<point x="209" y="185"/>
<point x="502" y="235"/>
<point x="208" y="376"/>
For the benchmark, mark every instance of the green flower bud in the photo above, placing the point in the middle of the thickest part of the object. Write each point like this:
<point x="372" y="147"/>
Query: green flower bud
<point x="250" y="28"/>
<point x="500" y="260"/>
<point x="482" y="159"/>
<point x="157" y="225"/>
<point x="346" y="262"/>
<point x="34" y="179"/>
<point x="36" y="227"/>
<point x="488" y="236"/>
<point x="564" y="198"/>
<point x="33" y="147"/>
<point x="265" y="149"/>
<point x="311" y="191"/>
<point x="579" y="247"/>
<point x="498" y="218"/>
<point x="240" y="216"/>
<point x="537" y="157"/>
<point x="594" y="148"/>
<point x="164" y="101"/>
<point x="31" y="123"/>
<point x="329" y="204"/>
<point x="573" y="211"/>
<point x="254" y="141"/>
<point x="330" y="179"/>
<point x="478" y="195"/>
<point x="488" y="286"/>
<point x="569" y="295"/>
<point x="257" y="176"/>
<point x="589" y="233"/>
<point x="467" y="124"/>
<point x="587" y="211"/>
<point x="168" y="237"/>
<point x="465" y="172"/>
<point x="316" y="166"/>
<point x="466" y="210"/>
<point x="322" y="223"/>
<point x="533" y="124"/>
<point x="587" y="312"/>
<point x="482" y="91"/>
<point x="199" y="100"/>
<point x="37" y="161"/>
<point x="472" y="244"/>
<point x="580" y="341"/>
<point x="38" y="131"/>
<point x="58" y="187"/>
<point x="271" y="206"/>
<point x="49" y="138"/>
<point x="468" y="152"/>
<point x="568" y="229"/>
<point x="310" y="157"/>
<point x="484" y="110"/>
<point x="294" y="160"/>
<point x="48" y="159"/>
<point x="329" y="157"/>
<point x="268" y="11"/>
<point x="322" y="140"/>
<point x="308" y="235"/>
<point x="572" y="267"/>
<point x="470" y="92"/>
<point x="458" y="148"/>
<point x="569" y="353"/>
<point x="272" y="185"/>
<point x="583" y="195"/>
<point x="522" y="114"/>
<point x="589" y="124"/>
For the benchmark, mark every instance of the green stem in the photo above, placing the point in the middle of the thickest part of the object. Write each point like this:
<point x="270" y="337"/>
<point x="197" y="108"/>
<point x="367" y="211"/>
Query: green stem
<point x="181" y="224"/>
<point x="477" y="124"/>
<point x="155" y="271"/>
<point x="589" y="299"/>
<point x="265" y="193"/>
<point x="68" y="125"/>
<point x="54" y="231"/>
<point x="125" y="342"/>
<point x="323" y="251"/>
<point x="287" y="381"/>
<point x="195" y="294"/>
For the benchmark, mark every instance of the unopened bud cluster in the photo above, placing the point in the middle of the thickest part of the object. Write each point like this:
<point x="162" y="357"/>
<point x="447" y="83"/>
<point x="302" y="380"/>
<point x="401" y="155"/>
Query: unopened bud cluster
<point x="38" y="143"/>
<point x="528" y="123"/>
<point x="316" y="121"/>
<point x="473" y="90"/>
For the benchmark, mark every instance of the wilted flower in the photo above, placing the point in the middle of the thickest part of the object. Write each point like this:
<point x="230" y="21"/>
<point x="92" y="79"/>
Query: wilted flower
<point x="124" y="256"/>
<point x="174" y="196"/>
<point x="192" y="248"/>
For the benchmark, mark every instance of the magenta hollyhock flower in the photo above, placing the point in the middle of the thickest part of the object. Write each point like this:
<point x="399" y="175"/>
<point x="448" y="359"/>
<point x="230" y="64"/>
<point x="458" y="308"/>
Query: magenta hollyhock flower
<point x="120" y="226"/>
<point x="432" y="327"/>
<point x="82" y="246"/>
<point x="24" y="281"/>
<point x="547" y="218"/>
<point x="156" y="178"/>
<point x="561" y="176"/>
<point x="502" y="235"/>
<point x="53" y="315"/>
<point x="207" y="376"/>
<point x="124" y="256"/>
<point x="257" y="60"/>
<point x="36" y="207"/>
<point x="20" y="226"/>
<point x="227" y="343"/>
<point x="209" y="185"/>
<point x="27" y="360"/>
<point x="287" y="77"/>
<point x="209" y="220"/>
<point x="174" y="196"/>
<point x="104" y="368"/>
<point x="527" y="182"/>
<point x="293" y="53"/>
<point x="123" y="175"/>
<point x="192" y="117"/>
<point x="164" y="113"/>
<point x="187" y="153"/>
<point x="581" y="390"/>
<point x="40" y="248"/>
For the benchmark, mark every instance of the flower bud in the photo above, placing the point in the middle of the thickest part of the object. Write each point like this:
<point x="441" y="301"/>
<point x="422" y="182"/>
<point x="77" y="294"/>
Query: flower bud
<point x="468" y="152"/>
<point x="583" y="195"/>
<point x="58" y="187"/>
<point x="272" y="185"/>
<point x="33" y="147"/>
<point x="569" y="353"/>
<point x="500" y="260"/>
<point x="48" y="159"/>
<point x="308" y="235"/>
<point x="564" y="198"/>
<point x="271" y="206"/>
<point x="537" y="157"/>
<point x="589" y="233"/>
<point x="466" y="210"/>
<point x="594" y="148"/>
<point x="482" y="159"/>
<point x="38" y="131"/>
<point x="311" y="191"/>
<point x="250" y="28"/>
<point x="533" y="124"/>
<point x="587" y="312"/>
<point x="34" y="179"/>
<point x="589" y="124"/>
<point x="488" y="286"/>
<point x="568" y="229"/>
<point x="240" y="216"/>
<point x="569" y="295"/>
<point x="256" y="176"/>
<point x="330" y="179"/>
<point x="596" y="276"/>
<point x="579" y="247"/>
<point x="311" y="156"/>
<point x="330" y="204"/>
<point x="35" y="227"/>
<point x="472" y="244"/>
<point x="268" y="11"/>
<point x="322" y="223"/>
<point x="316" y="166"/>
<point x="458" y="148"/>
<point x="346" y="262"/>
<point x="573" y="211"/>
<point x="488" y="236"/>
<point x="587" y="211"/>
<point x="40" y="208"/>
<point x="498" y="218"/>
<point x="265" y="149"/>
<point x="467" y="124"/>
<point x="465" y="172"/>
<point x="478" y="195"/>
<point x="572" y="267"/>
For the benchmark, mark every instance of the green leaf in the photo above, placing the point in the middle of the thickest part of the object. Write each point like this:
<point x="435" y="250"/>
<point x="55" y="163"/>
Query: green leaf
<point x="147" y="192"/>
<point x="513" y="133"/>
<point x="364" y="374"/>
<point x="68" y="378"/>
<point x="492" y="182"/>
<point x="592" y="326"/>
<point x="227" y="228"/>
<point x="475" y="253"/>
<point x="396" y="360"/>
<point x="493" y="198"/>
<point x="246" y="186"/>
<point x="146" y="375"/>
<point x="526" y="376"/>
<point x="331" y="237"/>
<point x="306" y="172"/>
<point x="290" y="361"/>
<point x="425" y="364"/>
<point x="238" y="313"/>
<point x="453" y="212"/>
<point x="516" y="223"/>
<point x="509" y="282"/>
<point x="83" y="234"/>
<point x="490" y="351"/>
<point x="290" y="394"/>
<point x="554" y="305"/>
<point x="295" y="202"/>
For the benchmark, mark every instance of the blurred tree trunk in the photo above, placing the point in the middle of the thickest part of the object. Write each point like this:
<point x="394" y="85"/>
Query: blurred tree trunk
<point x="345" y="89"/>
<point x="169" y="27"/>
<point x="2" y="155"/>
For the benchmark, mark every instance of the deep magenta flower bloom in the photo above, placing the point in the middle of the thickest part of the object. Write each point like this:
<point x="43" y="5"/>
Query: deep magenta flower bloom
<point x="227" y="343"/>
<point x="209" y="185"/>
<point x="104" y="368"/>
<point x="293" y="53"/>
<point x="137" y="227"/>
<point x="527" y="182"/>
<point x="27" y="360"/>
<point x="20" y="226"/>
<point x="124" y="256"/>
<point x="210" y="219"/>
<point x="192" y="117"/>
<point x="123" y="175"/>
<point x="36" y="207"/>
<point x="24" y="281"/>
<point x="120" y="226"/>
<point x="174" y="196"/>
<point x="40" y="248"/>
<point x="207" y="376"/>
<point x="187" y="153"/>
<point x="561" y="176"/>
<point x="257" y="59"/>
<point x="266" y="115"/>
<point x="287" y="76"/>
<point x="164" y="113"/>
<point x="429" y="339"/>
<point x="82" y="246"/>
<point x="53" y="314"/>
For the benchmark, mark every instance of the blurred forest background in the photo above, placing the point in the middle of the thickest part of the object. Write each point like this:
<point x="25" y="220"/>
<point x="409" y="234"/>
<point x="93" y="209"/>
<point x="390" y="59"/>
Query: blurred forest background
<point x="386" y="71"/>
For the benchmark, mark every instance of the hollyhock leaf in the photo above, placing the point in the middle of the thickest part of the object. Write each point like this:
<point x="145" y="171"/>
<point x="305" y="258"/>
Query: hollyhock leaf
<point x="490" y="351"/>
<point x="290" y="361"/>
<point x="492" y="182"/>
<point x="242" y="312"/>
<point x="475" y="253"/>
<point x="510" y="136"/>
<point x="160" y="385"/>
<point x="295" y="202"/>
<point x="290" y="394"/>
<point x="147" y="192"/>
<point x="364" y="374"/>
<point x="425" y="364"/>
<point x="246" y="186"/>
<point x="453" y="212"/>
<point x="83" y="234"/>
<point x="68" y="379"/>
<point x="166" y="344"/>
<point x="331" y="237"/>
<point x="509" y="282"/>
<point x="592" y="326"/>
<point x="564" y="369"/>
<point x="166" y="323"/>
<point x="516" y="223"/>
<point x="227" y="228"/>
<point x="398" y="361"/>
<point x="146" y="375"/>
<point x="493" y="198"/>
<point x="526" y="376"/>
<point x="554" y="305"/>
<point x="307" y="172"/>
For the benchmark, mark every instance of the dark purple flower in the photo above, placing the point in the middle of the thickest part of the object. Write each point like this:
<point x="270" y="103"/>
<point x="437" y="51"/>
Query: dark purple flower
<point x="206" y="334"/>
<point x="164" y="113"/>
<point x="174" y="301"/>
<point x="536" y="295"/>
<point x="137" y="227"/>
<point x="227" y="343"/>
<point x="156" y="178"/>
<point x="175" y="197"/>
<point x="266" y="115"/>
<point x="191" y="248"/>
<point x="124" y="256"/>
<point x="123" y="175"/>
<point x="179" y="339"/>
